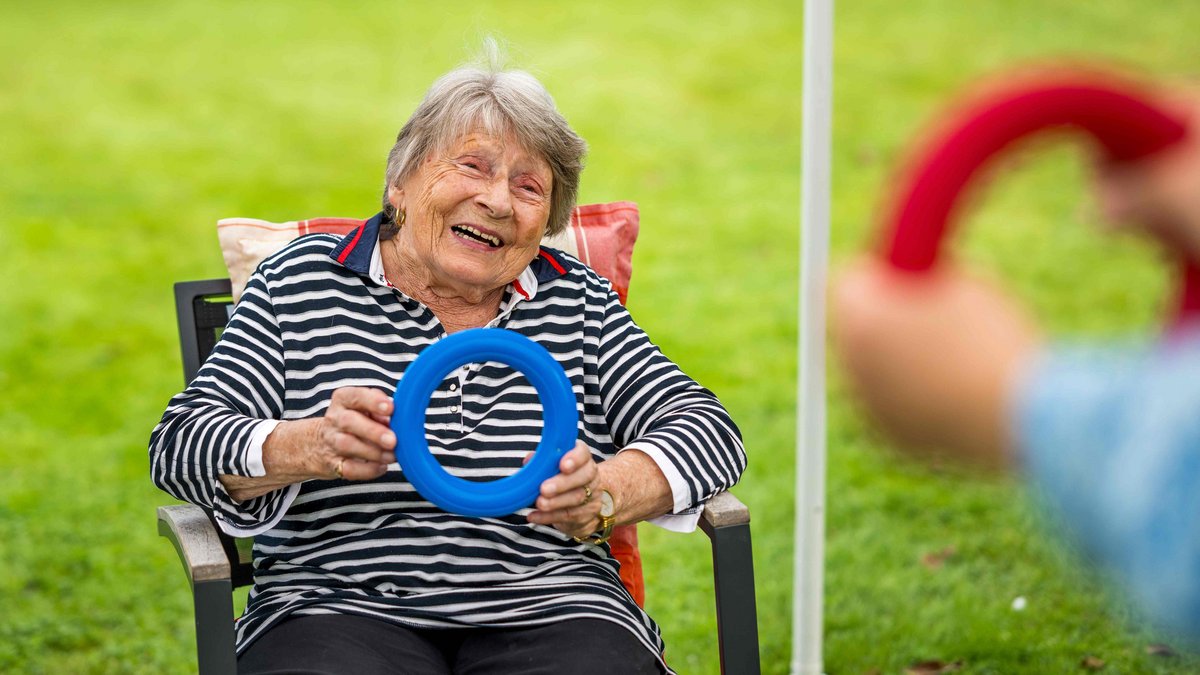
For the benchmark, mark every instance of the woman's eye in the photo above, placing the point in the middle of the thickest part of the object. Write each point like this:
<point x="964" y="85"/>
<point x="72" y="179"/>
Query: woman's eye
<point x="472" y="163"/>
<point x="530" y="188"/>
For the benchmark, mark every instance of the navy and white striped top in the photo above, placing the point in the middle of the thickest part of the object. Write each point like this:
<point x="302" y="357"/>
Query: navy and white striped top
<point x="313" y="320"/>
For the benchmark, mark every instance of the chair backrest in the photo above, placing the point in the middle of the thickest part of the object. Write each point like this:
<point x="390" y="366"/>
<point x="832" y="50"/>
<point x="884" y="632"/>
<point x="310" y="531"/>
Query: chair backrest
<point x="202" y="309"/>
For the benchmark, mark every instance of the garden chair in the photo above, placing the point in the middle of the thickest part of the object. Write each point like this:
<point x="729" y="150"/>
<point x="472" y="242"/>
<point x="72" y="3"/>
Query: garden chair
<point x="216" y="564"/>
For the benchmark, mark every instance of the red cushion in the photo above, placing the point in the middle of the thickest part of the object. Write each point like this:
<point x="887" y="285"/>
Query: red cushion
<point x="604" y="235"/>
<point x="624" y="544"/>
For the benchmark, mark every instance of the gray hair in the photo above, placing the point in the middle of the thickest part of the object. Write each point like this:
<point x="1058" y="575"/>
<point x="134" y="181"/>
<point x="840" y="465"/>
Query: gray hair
<point x="498" y="102"/>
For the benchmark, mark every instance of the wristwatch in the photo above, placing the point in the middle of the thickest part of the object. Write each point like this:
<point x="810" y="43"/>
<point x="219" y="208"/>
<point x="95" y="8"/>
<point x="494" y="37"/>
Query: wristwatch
<point x="608" y="518"/>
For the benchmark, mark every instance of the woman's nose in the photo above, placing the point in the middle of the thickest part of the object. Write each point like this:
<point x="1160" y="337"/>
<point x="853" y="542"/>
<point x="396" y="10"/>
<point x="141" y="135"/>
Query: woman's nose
<point x="495" y="198"/>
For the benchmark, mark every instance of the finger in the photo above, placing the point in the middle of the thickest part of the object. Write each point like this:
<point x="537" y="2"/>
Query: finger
<point x="577" y="469"/>
<point x="363" y="399"/>
<point x="342" y="445"/>
<point x="570" y="513"/>
<point x="575" y="458"/>
<point x="574" y="520"/>
<point x="364" y="428"/>
<point x="353" y="469"/>
<point x="573" y="499"/>
<point x="1117" y="196"/>
<point x="577" y="528"/>
<point x="350" y="434"/>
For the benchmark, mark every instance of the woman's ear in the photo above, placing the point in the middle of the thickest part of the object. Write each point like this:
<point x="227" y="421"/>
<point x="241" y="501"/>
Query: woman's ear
<point x="396" y="197"/>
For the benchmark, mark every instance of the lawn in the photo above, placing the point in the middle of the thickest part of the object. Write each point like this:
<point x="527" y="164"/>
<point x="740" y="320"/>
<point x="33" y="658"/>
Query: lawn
<point x="131" y="127"/>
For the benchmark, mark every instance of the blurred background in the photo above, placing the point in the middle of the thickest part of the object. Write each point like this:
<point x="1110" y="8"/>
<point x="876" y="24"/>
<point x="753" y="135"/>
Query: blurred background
<point x="129" y="128"/>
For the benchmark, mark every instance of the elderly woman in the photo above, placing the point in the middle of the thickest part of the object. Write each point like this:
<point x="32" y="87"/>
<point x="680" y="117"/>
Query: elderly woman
<point x="284" y="432"/>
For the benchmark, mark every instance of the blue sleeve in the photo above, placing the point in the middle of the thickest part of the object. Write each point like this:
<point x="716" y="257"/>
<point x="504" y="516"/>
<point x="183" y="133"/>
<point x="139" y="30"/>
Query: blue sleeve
<point x="1111" y="440"/>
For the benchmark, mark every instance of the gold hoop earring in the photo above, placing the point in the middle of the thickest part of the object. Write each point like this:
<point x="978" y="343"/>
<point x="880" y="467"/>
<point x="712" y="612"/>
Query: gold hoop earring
<point x="400" y="218"/>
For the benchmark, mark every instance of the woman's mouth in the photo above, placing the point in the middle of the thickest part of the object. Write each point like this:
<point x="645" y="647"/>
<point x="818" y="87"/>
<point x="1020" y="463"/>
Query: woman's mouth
<point x="472" y="234"/>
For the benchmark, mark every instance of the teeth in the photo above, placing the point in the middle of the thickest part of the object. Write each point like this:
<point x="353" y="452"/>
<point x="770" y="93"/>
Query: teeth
<point x="490" y="239"/>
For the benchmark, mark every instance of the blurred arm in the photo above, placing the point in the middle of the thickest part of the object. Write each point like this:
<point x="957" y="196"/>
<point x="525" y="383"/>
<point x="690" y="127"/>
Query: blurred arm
<point x="1111" y="439"/>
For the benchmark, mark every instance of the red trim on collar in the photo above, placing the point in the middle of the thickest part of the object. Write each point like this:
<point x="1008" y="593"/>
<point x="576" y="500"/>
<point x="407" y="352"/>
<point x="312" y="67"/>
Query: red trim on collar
<point x="353" y="242"/>
<point x="517" y="285"/>
<point x="550" y="259"/>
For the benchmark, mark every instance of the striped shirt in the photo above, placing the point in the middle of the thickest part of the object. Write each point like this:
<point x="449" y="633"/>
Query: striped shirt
<point x="313" y="320"/>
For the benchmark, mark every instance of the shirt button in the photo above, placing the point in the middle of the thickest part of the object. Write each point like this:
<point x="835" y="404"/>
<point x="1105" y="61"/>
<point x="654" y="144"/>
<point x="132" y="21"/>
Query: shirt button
<point x="454" y="408"/>
<point x="453" y="387"/>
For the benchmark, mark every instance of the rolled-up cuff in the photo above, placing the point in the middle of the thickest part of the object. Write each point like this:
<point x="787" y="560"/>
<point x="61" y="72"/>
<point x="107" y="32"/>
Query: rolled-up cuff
<point x="254" y="453"/>
<point x="253" y="516"/>
<point x="257" y="515"/>
<point x="679" y="522"/>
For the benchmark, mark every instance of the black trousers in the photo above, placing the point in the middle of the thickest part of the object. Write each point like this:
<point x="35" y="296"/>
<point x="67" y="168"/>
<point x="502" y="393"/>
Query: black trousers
<point x="339" y="643"/>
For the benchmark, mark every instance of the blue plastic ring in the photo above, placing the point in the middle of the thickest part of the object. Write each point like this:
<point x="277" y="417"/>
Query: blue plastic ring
<point x="505" y="495"/>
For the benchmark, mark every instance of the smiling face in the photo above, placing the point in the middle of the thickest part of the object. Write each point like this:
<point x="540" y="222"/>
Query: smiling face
<point x="475" y="214"/>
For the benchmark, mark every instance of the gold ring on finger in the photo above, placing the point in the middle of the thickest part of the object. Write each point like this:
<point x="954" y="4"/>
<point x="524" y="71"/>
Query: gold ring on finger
<point x="338" y="469"/>
<point x="587" y="495"/>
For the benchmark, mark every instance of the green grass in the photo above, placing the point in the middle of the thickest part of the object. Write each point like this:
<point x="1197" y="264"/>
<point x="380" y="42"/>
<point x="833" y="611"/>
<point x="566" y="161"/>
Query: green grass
<point x="129" y="128"/>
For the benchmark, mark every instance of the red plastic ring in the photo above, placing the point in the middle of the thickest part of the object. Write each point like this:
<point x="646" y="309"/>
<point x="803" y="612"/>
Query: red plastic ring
<point x="1116" y="114"/>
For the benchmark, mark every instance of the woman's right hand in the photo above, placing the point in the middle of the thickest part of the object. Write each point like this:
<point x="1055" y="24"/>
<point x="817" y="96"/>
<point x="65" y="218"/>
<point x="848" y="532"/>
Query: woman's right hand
<point x="351" y="441"/>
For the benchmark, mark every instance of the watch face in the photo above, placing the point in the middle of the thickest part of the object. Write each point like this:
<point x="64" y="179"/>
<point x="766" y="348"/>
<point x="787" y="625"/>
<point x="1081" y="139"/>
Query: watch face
<point x="606" y="504"/>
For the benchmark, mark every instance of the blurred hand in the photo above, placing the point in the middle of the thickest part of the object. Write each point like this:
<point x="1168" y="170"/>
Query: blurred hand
<point x="1160" y="195"/>
<point x="932" y="357"/>
<point x="563" y="503"/>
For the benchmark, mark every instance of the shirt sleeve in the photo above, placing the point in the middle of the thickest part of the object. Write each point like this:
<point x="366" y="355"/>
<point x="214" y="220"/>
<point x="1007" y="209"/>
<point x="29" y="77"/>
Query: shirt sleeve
<point x="651" y="405"/>
<point x="1111" y="440"/>
<point x="210" y="428"/>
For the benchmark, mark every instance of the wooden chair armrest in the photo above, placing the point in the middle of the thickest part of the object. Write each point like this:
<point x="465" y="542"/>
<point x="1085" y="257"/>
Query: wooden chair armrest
<point x="196" y="541"/>
<point x="723" y="510"/>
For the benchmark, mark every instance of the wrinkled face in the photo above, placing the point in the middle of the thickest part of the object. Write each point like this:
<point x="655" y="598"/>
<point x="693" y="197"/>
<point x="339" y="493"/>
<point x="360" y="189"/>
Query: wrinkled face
<point x="475" y="212"/>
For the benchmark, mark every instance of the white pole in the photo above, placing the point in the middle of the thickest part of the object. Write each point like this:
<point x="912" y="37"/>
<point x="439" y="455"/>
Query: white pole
<point x="809" y="560"/>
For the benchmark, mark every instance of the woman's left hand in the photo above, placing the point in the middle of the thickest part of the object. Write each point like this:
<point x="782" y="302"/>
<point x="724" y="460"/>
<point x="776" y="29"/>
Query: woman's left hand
<point x="569" y="501"/>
